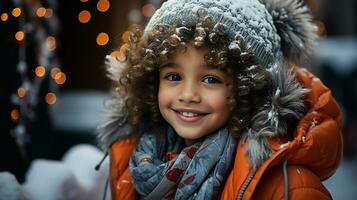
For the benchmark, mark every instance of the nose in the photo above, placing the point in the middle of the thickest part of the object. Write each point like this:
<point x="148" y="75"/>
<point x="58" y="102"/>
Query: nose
<point x="189" y="93"/>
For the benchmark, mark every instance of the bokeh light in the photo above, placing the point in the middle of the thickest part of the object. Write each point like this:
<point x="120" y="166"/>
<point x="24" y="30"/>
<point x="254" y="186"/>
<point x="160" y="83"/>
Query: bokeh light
<point x="125" y="36"/>
<point x="19" y="35"/>
<point x="115" y="54"/>
<point x="15" y="114"/>
<point x="40" y="71"/>
<point x="321" y="28"/>
<point x="60" y="78"/>
<point x="84" y="16"/>
<point x="51" y="41"/>
<point x="102" y="39"/>
<point x="41" y="12"/>
<point x="103" y="5"/>
<point x="122" y="51"/>
<point x="49" y="12"/>
<point x="50" y="98"/>
<point x="16" y="12"/>
<point x="54" y="72"/>
<point x="84" y="1"/>
<point x="148" y="10"/>
<point x="21" y="92"/>
<point x="4" y="16"/>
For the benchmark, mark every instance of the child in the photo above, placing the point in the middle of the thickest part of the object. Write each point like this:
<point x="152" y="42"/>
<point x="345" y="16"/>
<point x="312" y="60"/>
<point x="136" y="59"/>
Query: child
<point x="210" y="105"/>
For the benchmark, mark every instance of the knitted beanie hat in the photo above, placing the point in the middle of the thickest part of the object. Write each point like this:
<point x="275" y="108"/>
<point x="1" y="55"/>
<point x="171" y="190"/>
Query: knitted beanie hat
<point x="270" y="28"/>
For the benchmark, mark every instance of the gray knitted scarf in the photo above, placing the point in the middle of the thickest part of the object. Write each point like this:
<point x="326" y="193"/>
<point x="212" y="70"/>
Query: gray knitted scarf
<point x="163" y="168"/>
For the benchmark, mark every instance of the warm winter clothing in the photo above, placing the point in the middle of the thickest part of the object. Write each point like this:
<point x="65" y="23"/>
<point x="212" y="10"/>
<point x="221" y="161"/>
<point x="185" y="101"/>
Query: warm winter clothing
<point x="163" y="168"/>
<point x="263" y="24"/>
<point x="274" y="158"/>
<point x="312" y="156"/>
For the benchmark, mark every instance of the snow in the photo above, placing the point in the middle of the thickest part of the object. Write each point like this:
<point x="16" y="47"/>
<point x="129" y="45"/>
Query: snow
<point x="340" y="53"/>
<point x="10" y="189"/>
<point x="78" y="111"/>
<point x="234" y="46"/>
<point x="73" y="177"/>
<point x="250" y="16"/>
<point x="51" y="180"/>
<point x="84" y="170"/>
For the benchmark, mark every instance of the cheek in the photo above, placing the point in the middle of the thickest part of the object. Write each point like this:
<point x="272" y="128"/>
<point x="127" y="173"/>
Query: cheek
<point x="163" y="97"/>
<point x="219" y="101"/>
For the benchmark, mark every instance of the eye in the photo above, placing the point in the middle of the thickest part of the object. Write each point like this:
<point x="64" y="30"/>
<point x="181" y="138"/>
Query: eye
<point x="173" y="77"/>
<point x="211" y="80"/>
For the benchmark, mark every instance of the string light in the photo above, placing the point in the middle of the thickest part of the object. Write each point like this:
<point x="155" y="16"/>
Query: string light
<point x="102" y="39"/>
<point x="41" y="12"/>
<point x="134" y="15"/>
<point x="16" y="12"/>
<point x="48" y="12"/>
<point x="4" y="16"/>
<point x="21" y="92"/>
<point x="321" y="28"/>
<point x="121" y="53"/>
<point x="26" y="96"/>
<point x="51" y="41"/>
<point x="84" y="16"/>
<point x="148" y="10"/>
<point x="60" y="78"/>
<point x="50" y="98"/>
<point x="40" y="71"/>
<point x="54" y="72"/>
<point x="125" y="36"/>
<point x="103" y="5"/>
<point x="19" y="35"/>
<point x="115" y="54"/>
<point x="15" y="114"/>
<point x="122" y="50"/>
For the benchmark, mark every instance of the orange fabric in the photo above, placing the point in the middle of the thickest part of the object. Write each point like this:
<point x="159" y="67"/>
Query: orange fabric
<point x="303" y="184"/>
<point x="121" y="185"/>
<point x="312" y="156"/>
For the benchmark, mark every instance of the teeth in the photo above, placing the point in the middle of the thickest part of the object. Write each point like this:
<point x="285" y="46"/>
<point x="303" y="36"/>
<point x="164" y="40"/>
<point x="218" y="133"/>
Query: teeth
<point x="189" y="114"/>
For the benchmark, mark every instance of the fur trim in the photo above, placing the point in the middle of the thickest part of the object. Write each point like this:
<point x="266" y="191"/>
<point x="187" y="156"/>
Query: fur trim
<point x="114" y="67"/>
<point x="115" y="124"/>
<point x="294" y="25"/>
<point x="287" y="105"/>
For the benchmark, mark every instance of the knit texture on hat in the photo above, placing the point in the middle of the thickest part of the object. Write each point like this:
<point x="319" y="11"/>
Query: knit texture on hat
<point x="248" y="19"/>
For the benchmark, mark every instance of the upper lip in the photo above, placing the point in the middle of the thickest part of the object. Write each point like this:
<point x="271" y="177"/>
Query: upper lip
<point x="190" y="111"/>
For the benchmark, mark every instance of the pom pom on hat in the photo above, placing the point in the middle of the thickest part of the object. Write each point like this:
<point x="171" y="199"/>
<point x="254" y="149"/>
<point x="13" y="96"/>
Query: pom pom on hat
<point x="294" y="25"/>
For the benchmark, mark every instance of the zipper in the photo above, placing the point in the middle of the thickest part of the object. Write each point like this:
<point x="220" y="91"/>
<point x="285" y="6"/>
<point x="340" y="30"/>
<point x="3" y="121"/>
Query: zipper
<point x="245" y="186"/>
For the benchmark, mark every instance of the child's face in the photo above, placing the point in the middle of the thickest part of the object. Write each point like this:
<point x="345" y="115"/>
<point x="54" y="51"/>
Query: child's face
<point x="193" y="98"/>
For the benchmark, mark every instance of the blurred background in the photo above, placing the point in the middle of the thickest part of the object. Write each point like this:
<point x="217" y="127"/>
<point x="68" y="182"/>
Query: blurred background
<point x="53" y="85"/>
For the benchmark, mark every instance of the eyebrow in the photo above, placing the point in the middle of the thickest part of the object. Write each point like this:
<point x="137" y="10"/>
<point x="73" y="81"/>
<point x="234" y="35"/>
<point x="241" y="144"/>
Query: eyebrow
<point x="172" y="65"/>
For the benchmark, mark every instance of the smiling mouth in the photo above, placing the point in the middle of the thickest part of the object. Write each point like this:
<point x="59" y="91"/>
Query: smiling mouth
<point x="189" y="116"/>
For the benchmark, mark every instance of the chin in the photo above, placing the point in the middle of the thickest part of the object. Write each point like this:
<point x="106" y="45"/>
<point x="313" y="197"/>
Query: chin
<point x="189" y="135"/>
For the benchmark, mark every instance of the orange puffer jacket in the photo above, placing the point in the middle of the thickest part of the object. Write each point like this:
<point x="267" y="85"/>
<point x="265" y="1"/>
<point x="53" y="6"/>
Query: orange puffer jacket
<point x="312" y="156"/>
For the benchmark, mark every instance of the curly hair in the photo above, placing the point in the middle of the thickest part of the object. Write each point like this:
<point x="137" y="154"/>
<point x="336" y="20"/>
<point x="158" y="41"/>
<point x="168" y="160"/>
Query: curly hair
<point x="142" y="55"/>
